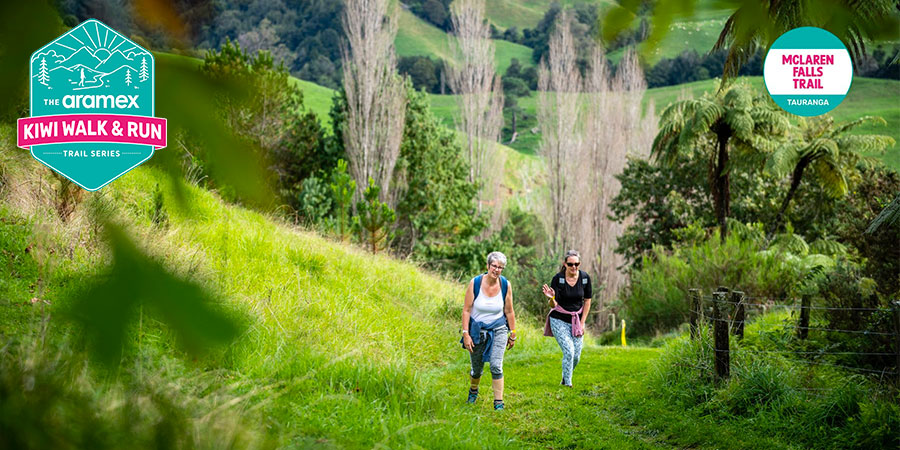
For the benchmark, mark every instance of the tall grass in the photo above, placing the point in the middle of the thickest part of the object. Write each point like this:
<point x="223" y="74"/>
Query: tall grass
<point x="768" y="393"/>
<point x="339" y="346"/>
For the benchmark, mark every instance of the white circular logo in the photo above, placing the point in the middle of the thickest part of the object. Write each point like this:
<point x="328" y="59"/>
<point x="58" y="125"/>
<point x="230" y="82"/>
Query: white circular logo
<point x="808" y="71"/>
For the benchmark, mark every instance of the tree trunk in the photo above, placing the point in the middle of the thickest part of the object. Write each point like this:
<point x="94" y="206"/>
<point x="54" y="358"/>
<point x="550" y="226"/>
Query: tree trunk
<point x="721" y="186"/>
<point x="513" y="139"/>
<point x="795" y="183"/>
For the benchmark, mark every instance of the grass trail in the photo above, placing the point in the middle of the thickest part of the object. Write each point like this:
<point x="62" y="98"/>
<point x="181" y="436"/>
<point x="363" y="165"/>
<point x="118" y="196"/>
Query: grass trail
<point x="609" y="407"/>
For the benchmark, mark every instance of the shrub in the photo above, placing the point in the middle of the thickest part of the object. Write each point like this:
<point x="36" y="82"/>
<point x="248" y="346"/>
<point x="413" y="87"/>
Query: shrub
<point x="657" y="299"/>
<point x="878" y="426"/>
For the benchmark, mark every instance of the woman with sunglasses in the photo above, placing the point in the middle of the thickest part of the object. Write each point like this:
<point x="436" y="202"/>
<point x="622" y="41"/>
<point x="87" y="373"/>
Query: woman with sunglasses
<point x="570" y="297"/>
<point x="488" y="325"/>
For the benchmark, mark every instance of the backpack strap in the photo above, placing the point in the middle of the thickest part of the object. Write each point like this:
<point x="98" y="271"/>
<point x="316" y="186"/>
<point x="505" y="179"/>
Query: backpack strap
<point x="504" y="286"/>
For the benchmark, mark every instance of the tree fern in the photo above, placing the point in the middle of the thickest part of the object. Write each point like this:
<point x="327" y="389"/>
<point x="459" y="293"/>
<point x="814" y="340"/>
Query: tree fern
<point x="731" y="118"/>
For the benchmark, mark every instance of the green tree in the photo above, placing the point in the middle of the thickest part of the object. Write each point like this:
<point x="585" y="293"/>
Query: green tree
<point x="375" y="219"/>
<point x="314" y="200"/>
<point x="267" y="110"/>
<point x="756" y="24"/>
<point x="342" y="188"/>
<point x="731" y="118"/>
<point x="662" y="199"/>
<point x="828" y="151"/>
<point x="438" y="205"/>
<point x="514" y="87"/>
<point x="436" y="214"/>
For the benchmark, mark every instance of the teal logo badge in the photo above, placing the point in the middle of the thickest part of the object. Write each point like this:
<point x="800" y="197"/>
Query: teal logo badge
<point x="808" y="71"/>
<point x="92" y="106"/>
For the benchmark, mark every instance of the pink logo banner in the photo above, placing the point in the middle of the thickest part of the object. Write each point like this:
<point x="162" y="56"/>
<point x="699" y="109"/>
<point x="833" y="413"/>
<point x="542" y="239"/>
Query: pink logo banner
<point x="67" y="128"/>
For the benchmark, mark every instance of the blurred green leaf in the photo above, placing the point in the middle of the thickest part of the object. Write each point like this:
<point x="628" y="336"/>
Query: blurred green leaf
<point x="186" y="99"/>
<point x="109" y="308"/>
<point x="24" y="28"/>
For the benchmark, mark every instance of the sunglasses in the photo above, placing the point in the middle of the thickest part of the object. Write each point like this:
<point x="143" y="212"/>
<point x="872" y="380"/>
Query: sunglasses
<point x="573" y="264"/>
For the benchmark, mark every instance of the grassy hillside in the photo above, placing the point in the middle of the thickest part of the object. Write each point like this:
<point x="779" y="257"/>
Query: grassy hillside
<point x="417" y="37"/>
<point x="522" y="13"/>
<point x="339" y="348"/>
<point x="867" y="96"/>
<point x="331" y="328"/>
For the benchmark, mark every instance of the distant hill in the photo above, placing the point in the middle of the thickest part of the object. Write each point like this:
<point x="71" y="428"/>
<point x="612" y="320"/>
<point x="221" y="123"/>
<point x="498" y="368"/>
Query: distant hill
<point x="417" y="37"/>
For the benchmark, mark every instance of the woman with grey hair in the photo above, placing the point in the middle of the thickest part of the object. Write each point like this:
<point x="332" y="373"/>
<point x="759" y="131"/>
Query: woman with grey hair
<point x="570" y="297"/>
<point x="488" y="325"/>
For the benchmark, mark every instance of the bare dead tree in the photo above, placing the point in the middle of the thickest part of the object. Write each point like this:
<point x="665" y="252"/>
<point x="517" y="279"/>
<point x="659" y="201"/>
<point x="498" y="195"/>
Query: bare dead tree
<point x="634" y="137"/>
<point x="590" y="127"/>
<point x="559" y="89"/>
<point x="376" y="97"/>
<point x="470" y="75"/>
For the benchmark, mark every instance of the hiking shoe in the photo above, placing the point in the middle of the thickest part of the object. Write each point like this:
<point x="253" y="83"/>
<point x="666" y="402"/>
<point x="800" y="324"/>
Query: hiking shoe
<point x="498" y="406"/>
<point x="472" y="396"/>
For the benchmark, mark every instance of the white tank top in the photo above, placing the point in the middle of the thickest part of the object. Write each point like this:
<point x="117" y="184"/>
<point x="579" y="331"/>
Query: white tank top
<point x="487" y="309"/>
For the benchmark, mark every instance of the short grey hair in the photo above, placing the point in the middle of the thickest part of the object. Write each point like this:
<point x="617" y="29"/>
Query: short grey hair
<point x="496" y="256"/>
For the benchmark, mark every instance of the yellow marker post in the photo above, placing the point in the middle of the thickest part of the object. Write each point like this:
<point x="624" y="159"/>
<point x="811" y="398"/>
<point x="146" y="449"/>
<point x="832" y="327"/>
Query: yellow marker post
<point x="624" y="344"/>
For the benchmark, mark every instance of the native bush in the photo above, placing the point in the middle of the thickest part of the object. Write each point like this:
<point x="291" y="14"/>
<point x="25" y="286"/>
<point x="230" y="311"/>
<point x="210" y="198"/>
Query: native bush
<point x="657" y="298"/>
<point x="266" y="111"/>
<point x="856" y="307"/>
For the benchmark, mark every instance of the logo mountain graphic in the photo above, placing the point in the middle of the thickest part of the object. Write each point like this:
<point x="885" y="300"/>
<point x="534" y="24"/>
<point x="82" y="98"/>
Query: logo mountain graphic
<point x="90" y="58"/>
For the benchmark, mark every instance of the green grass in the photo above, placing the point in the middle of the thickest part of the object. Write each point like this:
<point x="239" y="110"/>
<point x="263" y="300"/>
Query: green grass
<point x="419" y="38"/>
<point x="521" y="13"/>
<point x="317" y="99"/>
<point x="341" y="348"/>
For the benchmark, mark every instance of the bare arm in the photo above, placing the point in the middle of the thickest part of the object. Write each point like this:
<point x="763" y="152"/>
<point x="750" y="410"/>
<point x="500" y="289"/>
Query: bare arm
<point x="466" y="313"/>
<point x="510" y="316"/>
<point x="587" y="310"/>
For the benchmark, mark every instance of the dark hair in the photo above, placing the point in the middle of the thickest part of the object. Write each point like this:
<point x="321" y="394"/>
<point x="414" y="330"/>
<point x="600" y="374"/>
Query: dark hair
<point x="569" y="253"/>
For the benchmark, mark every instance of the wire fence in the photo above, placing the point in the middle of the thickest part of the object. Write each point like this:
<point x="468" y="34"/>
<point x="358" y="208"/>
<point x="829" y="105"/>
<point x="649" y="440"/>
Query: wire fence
<point x="727" y="313"/>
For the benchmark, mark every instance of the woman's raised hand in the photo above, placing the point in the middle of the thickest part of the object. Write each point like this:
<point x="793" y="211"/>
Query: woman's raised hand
<point x="548" y="292"/>
<point x="550" y="295"/>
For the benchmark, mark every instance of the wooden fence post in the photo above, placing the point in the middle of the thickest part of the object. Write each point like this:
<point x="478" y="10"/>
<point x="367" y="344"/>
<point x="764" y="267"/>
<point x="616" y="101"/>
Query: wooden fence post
<point x="720" y="332"/>
<point x="737" y="323"/>
<point x="803" y="328"/>
<point x="612" y="321"/>
<point x="895" y="306"/>
<point x="694" y="295"/>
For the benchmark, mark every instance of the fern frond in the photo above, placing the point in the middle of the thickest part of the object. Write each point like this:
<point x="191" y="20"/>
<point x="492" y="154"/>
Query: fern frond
<point x="888" y="216"/>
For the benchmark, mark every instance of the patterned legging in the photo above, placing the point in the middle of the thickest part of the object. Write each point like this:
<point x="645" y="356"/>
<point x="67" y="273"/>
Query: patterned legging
<point x="570" y="345"/>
